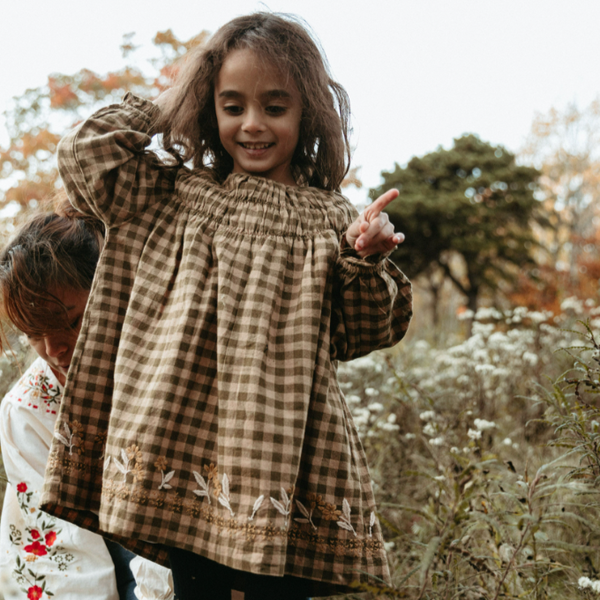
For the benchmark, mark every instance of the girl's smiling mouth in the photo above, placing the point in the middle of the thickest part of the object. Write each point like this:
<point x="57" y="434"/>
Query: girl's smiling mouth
<point x="256" y="145"/>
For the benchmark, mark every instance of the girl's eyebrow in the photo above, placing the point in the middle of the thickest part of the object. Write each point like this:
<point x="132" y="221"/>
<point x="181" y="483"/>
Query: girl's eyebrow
<point x="268" y="95"/>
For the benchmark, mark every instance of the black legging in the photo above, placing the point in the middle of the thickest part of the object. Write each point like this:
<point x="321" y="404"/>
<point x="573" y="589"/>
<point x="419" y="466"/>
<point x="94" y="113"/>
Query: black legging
<point x="197" y="578"/>
<point x="125" y="580"/>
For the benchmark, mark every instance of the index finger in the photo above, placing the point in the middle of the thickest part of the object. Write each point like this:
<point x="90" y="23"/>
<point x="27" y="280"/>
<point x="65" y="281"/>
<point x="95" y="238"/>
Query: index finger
<point x="374" y="209"/>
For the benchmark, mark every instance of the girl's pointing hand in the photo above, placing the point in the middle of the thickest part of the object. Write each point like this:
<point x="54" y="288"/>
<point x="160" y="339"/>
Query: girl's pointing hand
<point x="372" y="232"/>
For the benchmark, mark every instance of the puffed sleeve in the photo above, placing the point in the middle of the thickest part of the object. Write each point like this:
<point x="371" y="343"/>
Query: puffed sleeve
<point x="106" y="167"/>
<point x="372" y="305"/>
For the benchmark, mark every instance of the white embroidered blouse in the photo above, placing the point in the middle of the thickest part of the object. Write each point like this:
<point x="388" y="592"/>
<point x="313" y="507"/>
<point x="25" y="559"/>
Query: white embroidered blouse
<point x="42" y="556"/>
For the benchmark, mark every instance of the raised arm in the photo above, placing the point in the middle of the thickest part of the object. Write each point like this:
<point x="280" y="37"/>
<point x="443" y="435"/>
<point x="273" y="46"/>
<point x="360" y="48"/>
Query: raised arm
<point x="105" y="166"/>
<point x="372" y="298"/>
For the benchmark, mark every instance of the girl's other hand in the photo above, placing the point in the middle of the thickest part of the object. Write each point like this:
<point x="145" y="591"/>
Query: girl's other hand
<point x="372" y="232"/>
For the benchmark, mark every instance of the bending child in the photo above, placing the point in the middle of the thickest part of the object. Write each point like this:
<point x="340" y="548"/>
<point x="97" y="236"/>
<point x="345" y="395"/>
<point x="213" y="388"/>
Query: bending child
<point x="46" y="272"/>
<point x="204" y="383"/>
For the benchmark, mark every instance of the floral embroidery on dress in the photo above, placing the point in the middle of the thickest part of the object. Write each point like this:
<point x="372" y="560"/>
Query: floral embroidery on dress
<point x="224" y="497"/>
<point x="40" y="541"/>
<point x="256" y="506"/>
<point x="372" y="521"/>
<point x="71" y="437"/>
<point x="204" y="489"/>
<point x="344" y="521"/>
<point x="212" y="474"/>
<point x="38" y="388"/>
<point x="283" y="505"/>
<point x="308" y="512"/>
<point x="132" y="463"/>
<point x="161" y="465"/>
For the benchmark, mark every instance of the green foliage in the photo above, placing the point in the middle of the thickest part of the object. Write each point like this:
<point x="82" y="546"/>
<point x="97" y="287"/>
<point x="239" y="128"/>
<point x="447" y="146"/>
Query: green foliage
<point x="472" y="201"/>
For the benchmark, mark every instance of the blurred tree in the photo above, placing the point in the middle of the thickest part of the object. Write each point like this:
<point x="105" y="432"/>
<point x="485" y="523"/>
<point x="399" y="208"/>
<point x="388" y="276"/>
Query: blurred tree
<point x="37" y="119"/>
<point x="466" y="213"/>
<point x="565" y="147"/>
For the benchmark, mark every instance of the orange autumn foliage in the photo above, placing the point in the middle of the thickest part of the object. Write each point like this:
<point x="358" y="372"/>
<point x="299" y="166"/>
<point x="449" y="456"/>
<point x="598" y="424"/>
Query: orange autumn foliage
<point x="40" y="116"/>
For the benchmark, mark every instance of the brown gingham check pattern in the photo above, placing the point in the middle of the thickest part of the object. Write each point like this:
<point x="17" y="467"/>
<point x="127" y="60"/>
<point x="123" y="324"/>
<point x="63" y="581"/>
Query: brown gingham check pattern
<point x="202" y="408"/>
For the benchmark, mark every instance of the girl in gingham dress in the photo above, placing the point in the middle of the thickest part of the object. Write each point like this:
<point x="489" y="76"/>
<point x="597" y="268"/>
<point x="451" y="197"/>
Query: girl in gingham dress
<point x="202" y="418"/>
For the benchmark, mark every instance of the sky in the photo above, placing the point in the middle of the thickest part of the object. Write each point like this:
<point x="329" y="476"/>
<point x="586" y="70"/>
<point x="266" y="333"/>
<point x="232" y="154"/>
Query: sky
<point x="418" y="72"/>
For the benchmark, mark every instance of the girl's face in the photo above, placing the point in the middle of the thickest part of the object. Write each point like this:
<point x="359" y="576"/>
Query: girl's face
<point x="258" y="112"/>
<point x="56" y="348"/>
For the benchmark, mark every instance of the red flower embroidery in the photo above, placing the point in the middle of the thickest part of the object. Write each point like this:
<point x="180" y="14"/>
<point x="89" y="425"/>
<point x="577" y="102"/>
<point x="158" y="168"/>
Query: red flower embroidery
<point x="50" y="538"/>
<point x="36" y="548"/>
<point x="21" y="487"/>
<point x="34" y="593"/>
<point x="35" y="534"/>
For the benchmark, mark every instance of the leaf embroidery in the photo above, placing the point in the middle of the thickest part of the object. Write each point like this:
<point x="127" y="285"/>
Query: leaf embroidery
<point x="224" y="497"/>
<point x="124" y="466"/>
<point x="164" y="484"/>
<point x="257" y="505"/>
<point x="203" y="485"/>
<point x="282" y="506"/>
<point x="344" y="521"/>
<point x="71" y="439"/>
<point x="371" y="523"/>
<point x="307" y="513"/>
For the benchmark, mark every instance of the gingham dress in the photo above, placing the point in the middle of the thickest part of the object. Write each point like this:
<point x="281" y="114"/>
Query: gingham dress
<point x="202" y="409"/>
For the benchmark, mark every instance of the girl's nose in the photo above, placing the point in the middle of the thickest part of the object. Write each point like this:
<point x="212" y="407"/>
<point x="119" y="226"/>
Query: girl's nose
<point x="55" y="346"/>
<point x="252" y="121"/>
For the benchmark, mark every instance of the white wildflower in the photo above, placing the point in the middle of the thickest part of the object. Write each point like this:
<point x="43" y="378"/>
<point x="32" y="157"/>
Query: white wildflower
<point x="454" y="450"/>
<point x="507" y="441"/>
<point x="584" y="582"/>
<point x="438" y="441"/>
<point x="372" y="392"/>
<point x="391" y="418"/>
<point x="389" y="546"/>
<point x="483" y="369"/>
<point x="410" y="436"/>
<point x="573" y="304"/>
<point x="428" y="415"/>
<point x="530" y="358"/>
<point x="506" y="552"/>
<point x="488" y="313"/>
<point x="390" y="427"/>
<point x="376" y="407"/>
<point x="421" y="345"/>
<point x="474" y="434"/>
<point x="465" y="315"/>
<point x="482" y="425"/>
<point x="430" y="429"/>
<point x="353" y="399"/>
<point x="440" y="478"/>
<point x="539" y="317"/>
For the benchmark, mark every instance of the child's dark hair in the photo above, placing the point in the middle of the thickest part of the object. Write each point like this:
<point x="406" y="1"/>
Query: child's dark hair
<point x="51" y="251"/>
<point x="189" y="123"/>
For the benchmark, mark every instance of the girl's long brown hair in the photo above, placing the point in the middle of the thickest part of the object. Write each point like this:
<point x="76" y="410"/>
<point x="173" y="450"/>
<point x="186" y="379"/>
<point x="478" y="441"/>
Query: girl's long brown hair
<point x="52" y="251"/>
<point x="189" y="122"/>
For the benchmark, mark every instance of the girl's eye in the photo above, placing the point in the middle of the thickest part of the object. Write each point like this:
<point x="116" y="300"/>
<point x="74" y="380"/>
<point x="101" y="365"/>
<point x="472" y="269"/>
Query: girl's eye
<point x="276" y="110"/>
<point x="233" y="109"/>
<point x="74" y="324"/>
